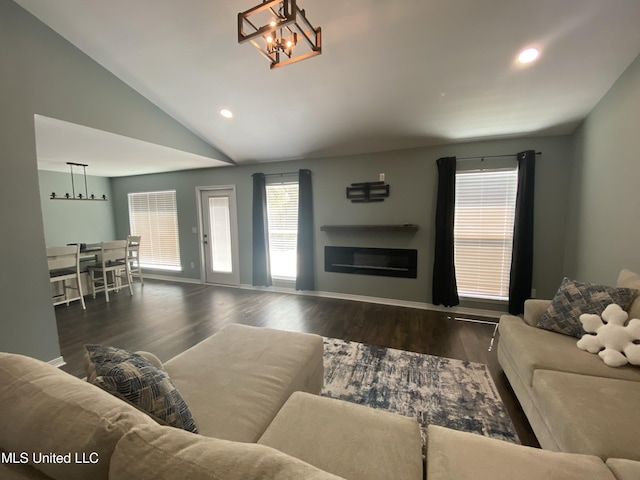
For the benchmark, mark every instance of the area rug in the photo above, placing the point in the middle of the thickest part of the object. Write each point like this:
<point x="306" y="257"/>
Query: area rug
<point x="433" y="390"/>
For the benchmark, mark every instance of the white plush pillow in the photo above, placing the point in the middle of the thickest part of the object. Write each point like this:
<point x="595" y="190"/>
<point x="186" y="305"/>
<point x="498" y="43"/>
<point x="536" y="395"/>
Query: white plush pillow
<point x="610" y="338"/>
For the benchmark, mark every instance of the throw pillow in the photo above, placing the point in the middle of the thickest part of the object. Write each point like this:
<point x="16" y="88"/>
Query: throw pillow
<point x="608" y="336"/>
<point x="135" y="379"/>
<point x="575" y="298"/>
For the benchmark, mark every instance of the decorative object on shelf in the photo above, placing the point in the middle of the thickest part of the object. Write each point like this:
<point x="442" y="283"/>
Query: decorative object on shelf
<point x="403" y="227"/>
<point x="368" y="192"/>
<point x="80" y="196"/>
<point x="280" y="31"/>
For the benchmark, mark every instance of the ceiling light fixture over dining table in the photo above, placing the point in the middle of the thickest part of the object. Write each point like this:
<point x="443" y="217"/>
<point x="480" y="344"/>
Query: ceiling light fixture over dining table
<point x="80" y="196"/>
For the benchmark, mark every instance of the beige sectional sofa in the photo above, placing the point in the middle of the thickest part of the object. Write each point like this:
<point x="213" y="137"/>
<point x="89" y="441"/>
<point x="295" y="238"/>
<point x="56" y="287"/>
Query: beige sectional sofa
<point x="456" y="455"/>
<point x="574" y="402"/>
<point x="253" y="395"/>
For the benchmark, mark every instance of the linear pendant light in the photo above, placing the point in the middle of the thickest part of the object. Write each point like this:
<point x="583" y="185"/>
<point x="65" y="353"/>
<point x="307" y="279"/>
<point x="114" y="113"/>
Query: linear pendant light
<point x="86" y="195"/>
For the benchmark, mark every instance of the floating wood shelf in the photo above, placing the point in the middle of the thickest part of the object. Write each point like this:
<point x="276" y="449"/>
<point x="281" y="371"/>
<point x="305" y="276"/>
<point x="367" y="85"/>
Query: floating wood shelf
<point x="405" y="227"/>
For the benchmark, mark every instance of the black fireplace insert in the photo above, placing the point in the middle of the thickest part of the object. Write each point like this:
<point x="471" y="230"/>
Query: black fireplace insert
<point x="388" y="262"/>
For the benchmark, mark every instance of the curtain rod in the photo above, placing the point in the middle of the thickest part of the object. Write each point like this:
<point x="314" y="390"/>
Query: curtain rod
<point x="279" y="174"/>
<point x="492" y="156"/>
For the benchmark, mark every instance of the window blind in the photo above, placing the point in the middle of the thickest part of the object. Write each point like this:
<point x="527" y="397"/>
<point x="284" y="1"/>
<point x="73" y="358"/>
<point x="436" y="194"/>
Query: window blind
<point x="154" y="216"/>
<point x="483" y="232"/>
<point x="282" y="213"/>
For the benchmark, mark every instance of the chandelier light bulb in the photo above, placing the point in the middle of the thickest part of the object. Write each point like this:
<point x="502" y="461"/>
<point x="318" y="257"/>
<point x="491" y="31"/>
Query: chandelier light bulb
<point x="528" y="55"/>
<point x="269" y="39"/>
<point x="272" y="23"/>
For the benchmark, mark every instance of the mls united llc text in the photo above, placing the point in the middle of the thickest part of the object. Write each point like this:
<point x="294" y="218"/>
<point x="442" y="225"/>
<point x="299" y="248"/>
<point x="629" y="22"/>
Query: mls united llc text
<point x="39" y="457"/>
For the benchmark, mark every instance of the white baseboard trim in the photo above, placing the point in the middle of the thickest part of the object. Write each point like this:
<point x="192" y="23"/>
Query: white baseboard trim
<point x="169" y="278"/>
<point x="344" y="296"/>
<point x="57" y="362"/>
<point x="382" y="301"/>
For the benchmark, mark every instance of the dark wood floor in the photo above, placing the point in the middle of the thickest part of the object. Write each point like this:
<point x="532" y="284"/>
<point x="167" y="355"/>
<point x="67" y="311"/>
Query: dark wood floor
<point x="167" y="318"/>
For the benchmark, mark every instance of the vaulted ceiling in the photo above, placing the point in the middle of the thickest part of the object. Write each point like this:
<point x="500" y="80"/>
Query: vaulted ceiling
<point x="392" y="75"/>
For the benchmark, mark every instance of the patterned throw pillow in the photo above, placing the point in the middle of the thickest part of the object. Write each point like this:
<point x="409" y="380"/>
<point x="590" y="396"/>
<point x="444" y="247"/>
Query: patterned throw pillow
<point x="135" y="379"/>
<point x="575" y="298"/>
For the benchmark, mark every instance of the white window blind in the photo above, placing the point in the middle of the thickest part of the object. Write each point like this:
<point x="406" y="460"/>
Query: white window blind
<point x="154" y="216"/>
<point x="282" y="213"/>
<point x="483" y="232"/>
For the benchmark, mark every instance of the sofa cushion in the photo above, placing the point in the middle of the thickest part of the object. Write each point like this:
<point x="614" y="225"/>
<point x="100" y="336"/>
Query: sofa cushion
<point x="629" y="279"/>
<point x="590" y="415"/>
<point x="624" y="469"/>
<point x="45" y="410"/>
<point x="534" y="308"/>
<point x="158" y="453"/>
<point x="346" y="439"/>
<point x="152" y="358"/>
<point x="14" y="471"/>
<point x="250" y="373"/>
<point x="575" y="298"/>
<point x="531" y="348"/>
<point x="453" y="455"/>
<point x="135" y="379"/>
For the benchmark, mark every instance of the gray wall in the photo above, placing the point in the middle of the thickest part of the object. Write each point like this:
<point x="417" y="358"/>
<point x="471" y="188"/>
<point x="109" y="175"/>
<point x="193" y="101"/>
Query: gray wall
<point x="604" y="229"/>
<point x="72" y="221"/>
<point x="44" y="74"/>
<point x="412" y="177"/>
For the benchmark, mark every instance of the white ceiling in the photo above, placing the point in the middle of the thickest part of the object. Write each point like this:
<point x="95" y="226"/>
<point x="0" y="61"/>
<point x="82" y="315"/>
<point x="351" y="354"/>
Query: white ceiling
<point x="393" y="74"/>
<point x="107" y="154"/>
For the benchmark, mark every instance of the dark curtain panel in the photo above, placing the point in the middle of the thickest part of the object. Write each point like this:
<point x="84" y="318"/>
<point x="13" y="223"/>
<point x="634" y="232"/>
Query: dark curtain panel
<point x="522" y="256"/>
<point x="445" y="289"/>
<point x="261" y="262"/>
<point x="305" y="251"/>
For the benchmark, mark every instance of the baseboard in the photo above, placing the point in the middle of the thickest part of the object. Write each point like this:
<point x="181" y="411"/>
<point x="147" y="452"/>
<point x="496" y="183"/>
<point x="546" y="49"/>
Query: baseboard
<point x="382" y="301"/>
<point x="57" y="362"/>
<point x="345" y="296"/>
<point x="169" y="278"/>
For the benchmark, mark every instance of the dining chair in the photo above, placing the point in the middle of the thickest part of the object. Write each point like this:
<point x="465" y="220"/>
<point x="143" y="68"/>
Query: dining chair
<point x="64" y="267"/>
<point x="134" y="257"/>
<point x="112" y="259"/>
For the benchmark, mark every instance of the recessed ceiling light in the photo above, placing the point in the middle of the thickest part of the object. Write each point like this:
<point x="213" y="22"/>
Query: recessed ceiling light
<point x="528" y="55"/>
<point x="226" y="113"/>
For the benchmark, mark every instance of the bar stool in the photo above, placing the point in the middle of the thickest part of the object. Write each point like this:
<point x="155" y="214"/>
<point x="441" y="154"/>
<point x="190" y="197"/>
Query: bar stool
<point x="134" y="256"/>
<point x="112" y="260"/>
<point x="64" y="265"/>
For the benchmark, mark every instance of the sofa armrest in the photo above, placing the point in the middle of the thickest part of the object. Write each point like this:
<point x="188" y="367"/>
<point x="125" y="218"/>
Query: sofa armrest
<point x="534" y="308"/>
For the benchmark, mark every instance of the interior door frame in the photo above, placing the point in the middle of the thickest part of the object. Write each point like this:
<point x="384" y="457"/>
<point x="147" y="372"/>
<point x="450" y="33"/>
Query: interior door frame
<point x="235" y="253"/>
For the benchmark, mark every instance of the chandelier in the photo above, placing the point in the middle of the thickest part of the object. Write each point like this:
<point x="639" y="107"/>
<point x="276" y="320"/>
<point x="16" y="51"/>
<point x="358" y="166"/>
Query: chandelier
<point x="281" y="32"/>
<point x="73" y="196"/>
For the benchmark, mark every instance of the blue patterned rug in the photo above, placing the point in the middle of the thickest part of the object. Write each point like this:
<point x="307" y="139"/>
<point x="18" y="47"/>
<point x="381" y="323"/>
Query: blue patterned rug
<point x="433" y="390"/>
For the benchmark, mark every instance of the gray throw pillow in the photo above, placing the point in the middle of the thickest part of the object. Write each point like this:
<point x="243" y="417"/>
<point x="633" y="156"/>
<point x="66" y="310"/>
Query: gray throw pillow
<point x="136" y="380"/>
<point x="575" y="298"/>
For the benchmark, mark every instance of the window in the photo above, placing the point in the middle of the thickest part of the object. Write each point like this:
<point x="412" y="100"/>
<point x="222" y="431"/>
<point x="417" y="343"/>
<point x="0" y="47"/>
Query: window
<point x="483" y="232"/>
<point x="154" y="216"/>
<point x="220" y="244"/>
<point x="282" y="213"/>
